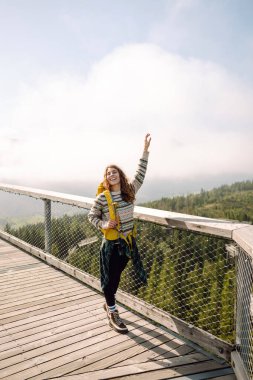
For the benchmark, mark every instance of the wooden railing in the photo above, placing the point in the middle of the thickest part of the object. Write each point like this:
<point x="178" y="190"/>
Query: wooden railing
<point x="240" y="233"/>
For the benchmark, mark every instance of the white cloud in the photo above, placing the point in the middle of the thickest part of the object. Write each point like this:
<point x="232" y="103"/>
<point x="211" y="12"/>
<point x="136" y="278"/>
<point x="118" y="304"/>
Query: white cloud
<point x="69" y="128"/>
<point x="182" y="5"/>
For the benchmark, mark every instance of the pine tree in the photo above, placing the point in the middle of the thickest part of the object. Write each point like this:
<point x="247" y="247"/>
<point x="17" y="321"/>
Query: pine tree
<point x="194" y="299"/>
<point x="164" y="293"/>
<point x="228" y="307"/>
<point x="55" y="250"/>
<point x="152" y="282"/>
<point x="210" y="313"/>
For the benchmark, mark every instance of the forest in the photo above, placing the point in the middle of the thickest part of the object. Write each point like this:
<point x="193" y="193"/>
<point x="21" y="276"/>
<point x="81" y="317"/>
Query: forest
<point x="190" y="275"/>
<point x="233" y="202"/>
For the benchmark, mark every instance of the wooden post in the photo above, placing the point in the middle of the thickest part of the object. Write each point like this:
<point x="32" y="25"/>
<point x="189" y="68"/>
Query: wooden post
<point x="47" y="210"/>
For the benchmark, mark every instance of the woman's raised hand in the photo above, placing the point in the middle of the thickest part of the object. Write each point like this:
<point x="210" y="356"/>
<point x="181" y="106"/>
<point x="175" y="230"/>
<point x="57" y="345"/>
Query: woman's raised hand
<point x="147" y="142"/>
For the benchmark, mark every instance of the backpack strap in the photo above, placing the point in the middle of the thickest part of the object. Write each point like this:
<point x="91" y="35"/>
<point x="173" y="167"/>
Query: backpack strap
<point x="111" y="233"/>
<point x="100" y="188"/>
<point x="111" y="207"/>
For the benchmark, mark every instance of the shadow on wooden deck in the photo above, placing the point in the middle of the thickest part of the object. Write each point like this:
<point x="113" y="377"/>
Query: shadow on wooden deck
<point x="52" y="326"/>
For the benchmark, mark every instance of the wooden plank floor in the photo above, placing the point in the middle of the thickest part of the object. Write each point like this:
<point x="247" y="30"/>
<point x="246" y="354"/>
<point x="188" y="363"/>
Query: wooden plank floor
<point x="52" y="326"/>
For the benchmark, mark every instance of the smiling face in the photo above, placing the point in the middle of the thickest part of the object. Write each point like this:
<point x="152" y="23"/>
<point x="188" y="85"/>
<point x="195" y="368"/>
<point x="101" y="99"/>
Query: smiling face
<point x="113" y="178"/>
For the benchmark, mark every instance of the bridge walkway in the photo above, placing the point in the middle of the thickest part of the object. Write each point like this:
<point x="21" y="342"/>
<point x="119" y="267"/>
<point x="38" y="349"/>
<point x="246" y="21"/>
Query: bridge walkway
<point x="54" y="327"/>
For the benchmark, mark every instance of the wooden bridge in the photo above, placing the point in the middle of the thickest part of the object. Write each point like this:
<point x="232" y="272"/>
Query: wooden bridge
<point x="54" y="327"/>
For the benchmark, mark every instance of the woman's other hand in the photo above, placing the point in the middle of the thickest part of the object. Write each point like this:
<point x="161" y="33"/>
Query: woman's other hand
<point x="109" y="224"/>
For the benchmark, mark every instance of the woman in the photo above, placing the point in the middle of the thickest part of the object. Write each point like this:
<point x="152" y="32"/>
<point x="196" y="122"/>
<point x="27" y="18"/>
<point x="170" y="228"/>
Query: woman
<point x="119" y="243"/>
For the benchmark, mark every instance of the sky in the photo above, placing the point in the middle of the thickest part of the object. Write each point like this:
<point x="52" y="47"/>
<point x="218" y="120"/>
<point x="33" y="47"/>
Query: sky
<point x="82" y="82"/>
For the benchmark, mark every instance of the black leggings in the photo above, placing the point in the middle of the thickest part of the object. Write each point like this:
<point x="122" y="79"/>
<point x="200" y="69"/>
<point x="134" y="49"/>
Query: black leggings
<point x="116" y="266"/>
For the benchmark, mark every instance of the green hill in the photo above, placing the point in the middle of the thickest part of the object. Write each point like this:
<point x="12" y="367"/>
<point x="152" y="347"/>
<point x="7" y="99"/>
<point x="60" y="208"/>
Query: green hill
<point x="233" y="202"/>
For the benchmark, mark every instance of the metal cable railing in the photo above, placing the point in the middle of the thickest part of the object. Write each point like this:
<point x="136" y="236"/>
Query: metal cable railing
<point x="191" y="276"/>
<point x="202" y="278"/>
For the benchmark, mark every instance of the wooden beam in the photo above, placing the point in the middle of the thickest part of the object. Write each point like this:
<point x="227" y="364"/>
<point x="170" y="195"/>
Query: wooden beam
<point x="238" y="366"/>
<point x="244" y="237"/>
<point x="218" y="227"/>
<point x="73" y="200"/>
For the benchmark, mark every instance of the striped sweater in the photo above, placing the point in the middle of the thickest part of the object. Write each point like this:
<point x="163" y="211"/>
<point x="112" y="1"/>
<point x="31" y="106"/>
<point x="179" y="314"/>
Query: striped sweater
<point x="99" y="212"/>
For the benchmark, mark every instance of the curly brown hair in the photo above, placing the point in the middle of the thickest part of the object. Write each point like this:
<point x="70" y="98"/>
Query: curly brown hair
<point x="127" y="189"/>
